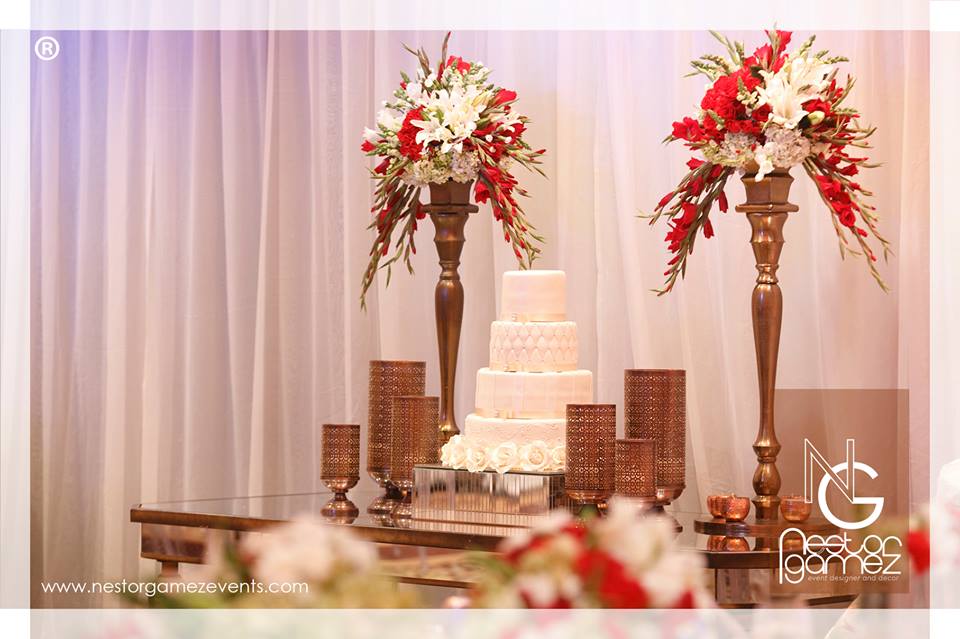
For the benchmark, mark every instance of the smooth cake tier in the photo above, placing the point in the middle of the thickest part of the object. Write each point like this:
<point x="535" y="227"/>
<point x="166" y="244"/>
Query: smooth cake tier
<point x="534" y="347"/>
<point x="533" y="296"/>
<point x="531" y="395"/>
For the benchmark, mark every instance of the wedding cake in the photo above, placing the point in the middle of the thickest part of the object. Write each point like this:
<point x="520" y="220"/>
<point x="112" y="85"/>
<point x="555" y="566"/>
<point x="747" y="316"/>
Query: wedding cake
<point x="519" y="423"/>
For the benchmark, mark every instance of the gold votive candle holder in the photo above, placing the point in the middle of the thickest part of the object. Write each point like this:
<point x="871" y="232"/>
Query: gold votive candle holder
<point x="735" y="544"/>
<point x="591" y="452"/>
<point x="736" y="508"/>
<point x="387" y="379"/>
<point x="716" y="505"/>
<point x="340" y="467"/>
<point x="635" y="474"/>
<point x="416" y="440"/>
<point x="795" y="508"/>
<point x="655" y="407"/>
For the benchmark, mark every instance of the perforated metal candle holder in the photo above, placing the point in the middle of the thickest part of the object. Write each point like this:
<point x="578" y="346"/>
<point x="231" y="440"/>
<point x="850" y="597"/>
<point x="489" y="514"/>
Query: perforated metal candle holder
<point x="635" y="476"/>
<point x="655" y="407"/>
<point x="388" y="379"/>
<point x="340" y="468"/>
<point x="416" y="440"/>
<point x="591" y="452"/>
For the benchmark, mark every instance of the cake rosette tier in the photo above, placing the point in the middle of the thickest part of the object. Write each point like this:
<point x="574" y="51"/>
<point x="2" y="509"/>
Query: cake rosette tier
<point x="519" y="423"/>
<point x="473" y="455"/>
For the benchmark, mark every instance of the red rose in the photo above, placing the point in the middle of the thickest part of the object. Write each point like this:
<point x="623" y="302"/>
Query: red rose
<point x="685" y="601"/>
<point x="761" y="114"/>
<point x="918" y="545"/>
<point x="407" y="135"/>
<point x="503" y="96"/>
<point x="367" y="146"/>
<point x="614" y="585"/>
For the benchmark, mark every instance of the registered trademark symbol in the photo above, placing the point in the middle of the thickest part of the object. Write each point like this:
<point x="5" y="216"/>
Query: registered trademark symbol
<point x="46" y="48"/>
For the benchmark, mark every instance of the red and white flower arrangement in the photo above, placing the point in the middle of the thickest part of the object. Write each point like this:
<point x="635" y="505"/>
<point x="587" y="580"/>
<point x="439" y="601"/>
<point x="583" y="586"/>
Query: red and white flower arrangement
<point x="771" y="110"/>
<point x="621" y="560"/>
<point x="447" y="123"/>
<point x="306" y="562"/>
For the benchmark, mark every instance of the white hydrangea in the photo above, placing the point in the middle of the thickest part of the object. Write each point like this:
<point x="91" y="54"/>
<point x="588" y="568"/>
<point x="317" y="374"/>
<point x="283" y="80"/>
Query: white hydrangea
<point x="784" y="148"/>
<point x="307" y="550"/>
<point x="735" y="150"/>
<point x="464" y="166"/>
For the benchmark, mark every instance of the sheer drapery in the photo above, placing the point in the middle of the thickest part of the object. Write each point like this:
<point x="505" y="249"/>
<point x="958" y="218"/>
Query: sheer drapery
<point x="199" y="233"/>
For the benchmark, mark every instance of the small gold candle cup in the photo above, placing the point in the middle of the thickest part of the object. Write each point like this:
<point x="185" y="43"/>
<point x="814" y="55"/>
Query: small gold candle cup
<point x="795" y="509"/>
<point x="735" y="508"/>
<point x="715" y="505"/>
<point x="715" y="542"/>
<point x="735" y="544"/>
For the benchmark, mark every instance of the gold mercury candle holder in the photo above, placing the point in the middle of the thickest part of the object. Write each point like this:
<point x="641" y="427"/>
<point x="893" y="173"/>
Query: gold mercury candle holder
<point x="388" y="379"/>
<point x="340" y="468"/>
<point x="416" y="441"/>
<point x="795" y="508"/>
<point x="655" y="407"/>
<point x="635" y="475"/>
<point x="591" y="453"/>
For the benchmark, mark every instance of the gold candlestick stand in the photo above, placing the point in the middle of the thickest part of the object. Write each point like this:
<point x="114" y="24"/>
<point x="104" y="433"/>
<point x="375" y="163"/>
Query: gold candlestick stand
<point x="766" y="209"/>
<point x="449" y="208"/>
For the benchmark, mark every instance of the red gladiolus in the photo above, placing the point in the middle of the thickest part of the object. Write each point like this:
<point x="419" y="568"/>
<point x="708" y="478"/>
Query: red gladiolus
<point x="689" y="212"/>
<point x="480" y="192"/>
<point x="785" y="37"/>
<point x="722" y="202"/>
<point x="420" y="212"/>
<point x="693" y="163"/>
<point x="382" y="167"/>
<point x="707" y="229"/>
<point x="367" y="146"/>
<point x="666" y="199"/>
<point x="503" y="96"/>
<point x="458" y="63"/>
<point x="688" y="129"/>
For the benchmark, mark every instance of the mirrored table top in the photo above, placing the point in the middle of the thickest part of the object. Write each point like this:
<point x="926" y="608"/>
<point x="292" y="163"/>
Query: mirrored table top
<point x="260" y="512"/>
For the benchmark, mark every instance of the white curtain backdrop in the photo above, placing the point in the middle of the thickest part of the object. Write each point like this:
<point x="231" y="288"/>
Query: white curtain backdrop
<point x="199" y="232"/>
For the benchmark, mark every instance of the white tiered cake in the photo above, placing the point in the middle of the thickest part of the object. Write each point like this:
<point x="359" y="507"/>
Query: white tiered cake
<point x="520" y="417"/>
